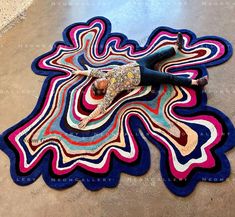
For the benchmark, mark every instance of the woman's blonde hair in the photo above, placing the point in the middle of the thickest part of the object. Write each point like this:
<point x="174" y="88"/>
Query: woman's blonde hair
<point x="97" y="91"/>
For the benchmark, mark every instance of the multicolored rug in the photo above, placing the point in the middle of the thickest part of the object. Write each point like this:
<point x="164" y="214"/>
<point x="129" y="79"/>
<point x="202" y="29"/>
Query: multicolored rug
<point x="191" y="136"/>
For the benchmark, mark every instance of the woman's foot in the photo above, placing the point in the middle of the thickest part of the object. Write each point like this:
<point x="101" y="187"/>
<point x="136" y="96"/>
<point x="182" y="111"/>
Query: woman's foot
<point x="202" y="82"/>
<point x="180" y="41"/>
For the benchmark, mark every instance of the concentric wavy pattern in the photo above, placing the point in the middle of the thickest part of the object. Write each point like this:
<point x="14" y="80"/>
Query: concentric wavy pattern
<point x="191" y="136"/>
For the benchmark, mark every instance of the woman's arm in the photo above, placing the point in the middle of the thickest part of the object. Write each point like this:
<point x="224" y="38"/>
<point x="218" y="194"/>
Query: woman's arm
<point x="94" y="114"/>
<point x="81" y="72"/>
<point x="90" y="72"/>
<point x="94" y="72"/>
<point x="101" y="108"/>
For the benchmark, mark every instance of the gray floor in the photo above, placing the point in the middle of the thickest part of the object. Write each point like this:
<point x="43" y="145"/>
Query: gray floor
<point x="135" y="196"/>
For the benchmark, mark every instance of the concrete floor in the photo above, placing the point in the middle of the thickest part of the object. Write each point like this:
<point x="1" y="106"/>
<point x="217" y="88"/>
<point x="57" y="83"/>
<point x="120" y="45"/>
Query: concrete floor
<point x="135" y="196"/>
<point x="12" y="10"/>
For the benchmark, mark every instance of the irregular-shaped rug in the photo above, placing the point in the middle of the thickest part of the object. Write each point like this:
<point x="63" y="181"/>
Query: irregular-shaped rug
<point x="191" y="136"/>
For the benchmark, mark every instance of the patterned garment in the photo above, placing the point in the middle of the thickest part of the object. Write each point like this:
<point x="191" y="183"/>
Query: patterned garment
<point x="125" y="77"/>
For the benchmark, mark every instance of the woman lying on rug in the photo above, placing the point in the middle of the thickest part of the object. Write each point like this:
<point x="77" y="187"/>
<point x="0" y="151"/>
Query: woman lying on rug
<point x="129" y="76"/>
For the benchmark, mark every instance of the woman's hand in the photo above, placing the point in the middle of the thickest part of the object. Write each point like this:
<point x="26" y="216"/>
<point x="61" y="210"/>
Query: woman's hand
<point x="84" y="122"/>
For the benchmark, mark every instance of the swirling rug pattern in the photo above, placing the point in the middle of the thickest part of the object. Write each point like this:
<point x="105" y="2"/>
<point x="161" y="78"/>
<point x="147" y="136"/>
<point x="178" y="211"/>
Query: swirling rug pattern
<point x="191" y="136"/>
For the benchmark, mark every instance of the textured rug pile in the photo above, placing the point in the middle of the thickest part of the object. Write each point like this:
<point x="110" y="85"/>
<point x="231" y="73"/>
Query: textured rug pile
<point x="191" y="136"/>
